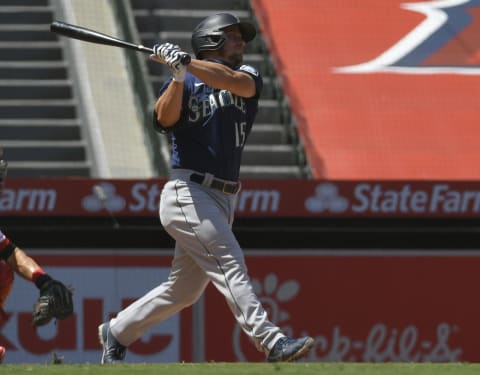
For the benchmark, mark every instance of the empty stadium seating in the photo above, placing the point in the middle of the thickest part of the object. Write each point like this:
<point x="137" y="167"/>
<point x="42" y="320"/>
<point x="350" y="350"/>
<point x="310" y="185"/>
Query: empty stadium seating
<point x="39" y="123"/>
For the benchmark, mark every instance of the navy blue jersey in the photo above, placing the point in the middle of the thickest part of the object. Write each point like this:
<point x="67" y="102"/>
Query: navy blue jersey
<point x="213" y="127"/>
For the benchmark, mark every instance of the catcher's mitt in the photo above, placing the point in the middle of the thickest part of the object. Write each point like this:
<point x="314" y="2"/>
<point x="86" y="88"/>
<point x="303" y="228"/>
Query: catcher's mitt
<point x="55" y="301"/>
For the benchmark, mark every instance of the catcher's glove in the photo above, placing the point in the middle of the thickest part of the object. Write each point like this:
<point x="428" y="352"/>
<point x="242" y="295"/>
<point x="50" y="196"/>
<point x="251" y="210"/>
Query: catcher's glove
<point x="55" y="301"/>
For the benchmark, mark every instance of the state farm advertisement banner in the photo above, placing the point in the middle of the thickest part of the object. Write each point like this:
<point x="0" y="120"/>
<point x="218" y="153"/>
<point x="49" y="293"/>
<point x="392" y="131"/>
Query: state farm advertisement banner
<point x="360" y="308"/>
<point x="258" y="198"/>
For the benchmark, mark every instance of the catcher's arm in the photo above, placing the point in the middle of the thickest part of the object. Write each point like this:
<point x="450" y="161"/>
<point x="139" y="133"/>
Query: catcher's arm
<point x="55" y="299"/>
<point x="24" y="265"/>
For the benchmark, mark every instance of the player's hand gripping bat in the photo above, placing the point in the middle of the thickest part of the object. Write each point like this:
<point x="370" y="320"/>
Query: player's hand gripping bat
<point x="92" y="36"/>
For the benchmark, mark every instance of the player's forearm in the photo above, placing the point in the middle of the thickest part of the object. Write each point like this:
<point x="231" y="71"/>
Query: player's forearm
<point x="22" y="264"/>
<point x="222" y="77"/>
<point x="169" y="105"/>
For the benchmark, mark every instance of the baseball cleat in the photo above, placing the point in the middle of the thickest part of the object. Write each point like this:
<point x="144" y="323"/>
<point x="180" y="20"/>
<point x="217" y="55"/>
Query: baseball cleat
<point x="2" y="353"/>
<point x="113" y="351"/>
<point x="287" y="349"/>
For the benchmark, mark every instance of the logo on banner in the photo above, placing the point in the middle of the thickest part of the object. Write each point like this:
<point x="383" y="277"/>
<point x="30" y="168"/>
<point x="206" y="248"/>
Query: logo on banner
<point x="326" y="198"/>
<point x="380" y="343"/>
<point x="388" y="344"/>
<point x="403" y="199"/>
<point x="271" y="293"/>
<point x="104" y="197"/>
<point x="31" y="200"/>
<point x="445" y="42"/>
<point x="145" y="197"/>
<point x="100" y="292"/>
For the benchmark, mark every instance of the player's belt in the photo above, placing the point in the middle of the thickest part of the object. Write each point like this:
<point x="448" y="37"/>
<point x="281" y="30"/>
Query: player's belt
<point x="215" y="183"/>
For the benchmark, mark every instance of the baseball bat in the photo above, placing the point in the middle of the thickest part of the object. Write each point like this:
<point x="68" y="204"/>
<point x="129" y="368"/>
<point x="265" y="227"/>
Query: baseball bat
<point x="100" y="193"/>
<point x="92" y="36"/>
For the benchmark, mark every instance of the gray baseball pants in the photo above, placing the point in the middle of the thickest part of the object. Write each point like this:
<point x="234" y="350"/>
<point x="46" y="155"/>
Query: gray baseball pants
<point x="200" y="220"/>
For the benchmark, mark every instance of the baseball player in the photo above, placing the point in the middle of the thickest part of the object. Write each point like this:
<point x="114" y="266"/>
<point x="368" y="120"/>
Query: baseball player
<point x="55" y="299"/>
<point x="208" y="108"/>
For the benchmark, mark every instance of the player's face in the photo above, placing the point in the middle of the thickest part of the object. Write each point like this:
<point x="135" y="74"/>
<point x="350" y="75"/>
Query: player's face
<point x="233" y="49"/>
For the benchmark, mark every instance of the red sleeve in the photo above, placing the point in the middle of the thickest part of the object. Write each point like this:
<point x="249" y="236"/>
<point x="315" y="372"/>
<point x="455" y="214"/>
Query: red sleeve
<point x="6" y="247"/>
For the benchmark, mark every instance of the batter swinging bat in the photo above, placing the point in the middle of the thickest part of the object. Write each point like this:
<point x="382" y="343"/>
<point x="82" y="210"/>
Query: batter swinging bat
<point x="92" y="36"/>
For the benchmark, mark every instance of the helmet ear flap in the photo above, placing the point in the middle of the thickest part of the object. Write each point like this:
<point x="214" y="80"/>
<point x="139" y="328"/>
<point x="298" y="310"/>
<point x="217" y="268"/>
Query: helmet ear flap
<point x="215" y="39"/>
<point x="210" y="42"/>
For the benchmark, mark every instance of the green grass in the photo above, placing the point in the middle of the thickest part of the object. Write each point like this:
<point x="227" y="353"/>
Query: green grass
<point x="300" y="368"/>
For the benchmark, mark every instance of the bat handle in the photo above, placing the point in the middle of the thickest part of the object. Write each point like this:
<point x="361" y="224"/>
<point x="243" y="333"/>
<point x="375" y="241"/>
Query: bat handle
<point x="186" y="59"/>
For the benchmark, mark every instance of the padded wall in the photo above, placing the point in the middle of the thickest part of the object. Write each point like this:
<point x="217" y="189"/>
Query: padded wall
<point x="381" y="89"/>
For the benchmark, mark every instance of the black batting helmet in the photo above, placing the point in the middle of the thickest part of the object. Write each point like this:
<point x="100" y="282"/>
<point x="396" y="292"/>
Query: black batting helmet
<point x="209" y="34"/>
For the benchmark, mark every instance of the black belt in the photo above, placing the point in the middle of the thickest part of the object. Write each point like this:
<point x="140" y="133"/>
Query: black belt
<point x="226" y="187"/>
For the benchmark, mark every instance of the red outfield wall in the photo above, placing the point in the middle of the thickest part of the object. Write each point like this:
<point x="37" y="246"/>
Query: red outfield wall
<point x="391" y="305"/>
<point x="360" y="306"/>
<point x="381" y="89"/>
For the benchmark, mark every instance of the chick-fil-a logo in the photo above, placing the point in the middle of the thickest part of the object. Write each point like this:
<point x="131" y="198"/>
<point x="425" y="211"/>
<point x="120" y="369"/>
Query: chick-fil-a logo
<point x="271" y="293"/>
<point x="381" y="343"/>
<point x="387" y="344"/>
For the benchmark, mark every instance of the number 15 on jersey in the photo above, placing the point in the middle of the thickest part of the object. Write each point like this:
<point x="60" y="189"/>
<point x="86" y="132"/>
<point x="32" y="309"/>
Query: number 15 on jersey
<point x="240" y="135"/>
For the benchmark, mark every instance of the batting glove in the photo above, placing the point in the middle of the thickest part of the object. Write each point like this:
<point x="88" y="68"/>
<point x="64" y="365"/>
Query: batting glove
<point x="162" y="51"/>
<point x="174" y="61"/>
